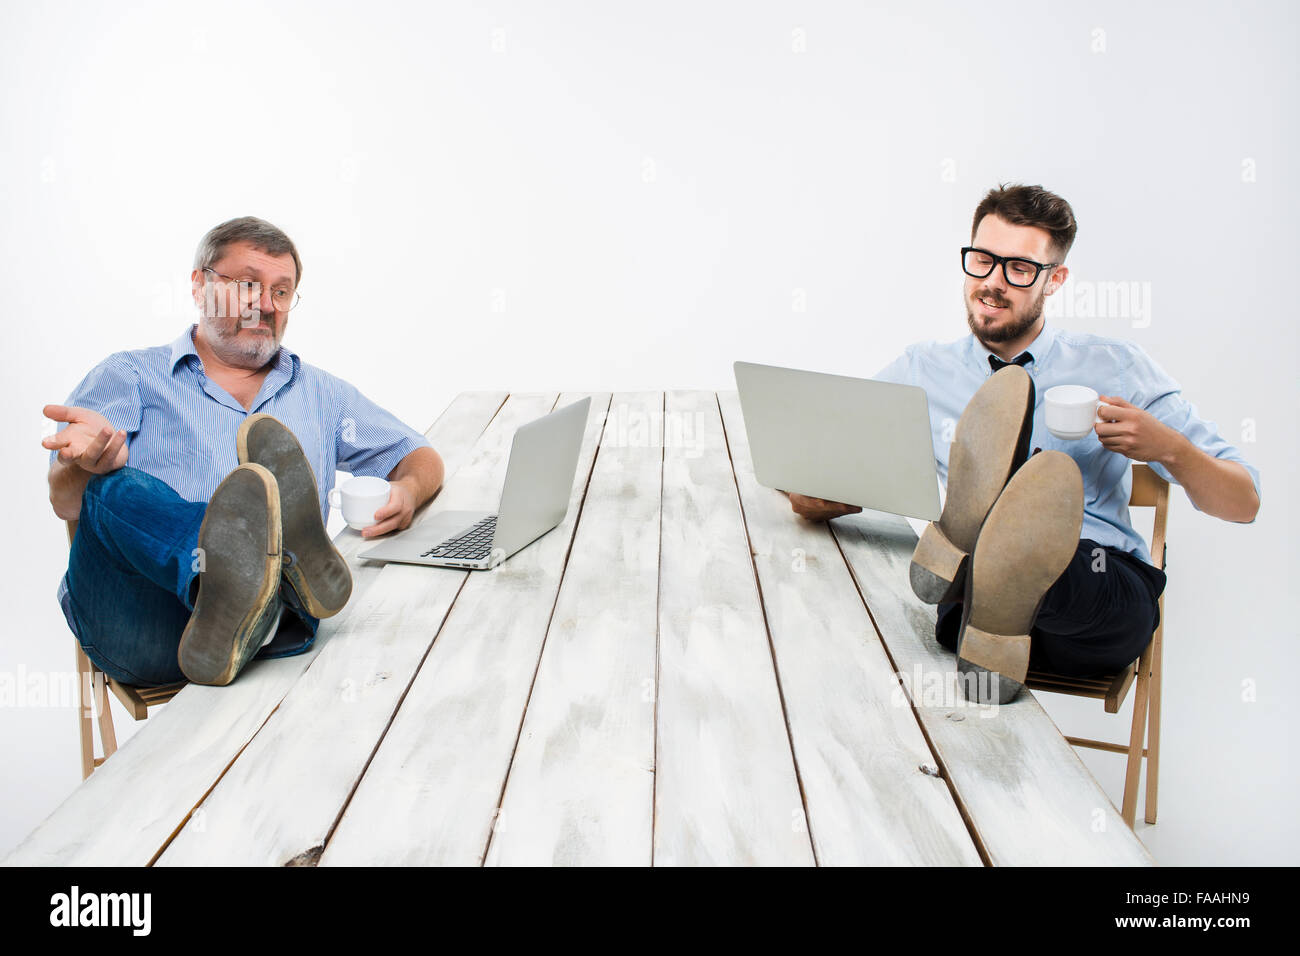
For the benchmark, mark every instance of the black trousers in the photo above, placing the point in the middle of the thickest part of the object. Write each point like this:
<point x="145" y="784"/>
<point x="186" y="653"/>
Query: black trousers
<point x="1096" y="618"/>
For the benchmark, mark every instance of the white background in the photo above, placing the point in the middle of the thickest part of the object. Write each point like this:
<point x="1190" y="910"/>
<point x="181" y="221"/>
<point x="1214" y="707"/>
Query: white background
<point x="586" y="195"/>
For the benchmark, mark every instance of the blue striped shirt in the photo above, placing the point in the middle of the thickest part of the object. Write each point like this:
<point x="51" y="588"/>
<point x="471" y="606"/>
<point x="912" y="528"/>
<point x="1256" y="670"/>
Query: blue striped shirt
<point x="951" y="372"/>
<point x="180" y="425"/>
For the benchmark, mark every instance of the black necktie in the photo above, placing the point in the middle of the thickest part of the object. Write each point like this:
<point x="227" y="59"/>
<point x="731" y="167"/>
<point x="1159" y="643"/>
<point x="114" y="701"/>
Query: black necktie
<point x="1023" y="359"/>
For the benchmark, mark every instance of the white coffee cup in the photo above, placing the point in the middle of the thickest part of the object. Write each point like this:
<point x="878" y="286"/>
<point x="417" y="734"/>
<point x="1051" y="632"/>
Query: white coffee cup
<point x="1071" y="411"/>
<point x="359" y="499"/>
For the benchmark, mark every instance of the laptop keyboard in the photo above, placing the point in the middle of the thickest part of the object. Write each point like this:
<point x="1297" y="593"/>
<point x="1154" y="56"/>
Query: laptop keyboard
<point x="474" y="545"/>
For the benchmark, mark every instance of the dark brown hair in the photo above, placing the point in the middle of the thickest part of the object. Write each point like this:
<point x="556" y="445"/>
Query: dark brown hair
<point x="258" y="233"/>
<point x="1030" y="206"/>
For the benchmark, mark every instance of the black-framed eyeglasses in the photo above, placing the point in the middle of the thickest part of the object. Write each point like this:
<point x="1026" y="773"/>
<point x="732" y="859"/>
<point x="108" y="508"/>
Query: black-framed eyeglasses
<point x="251" y="291"/>
<point x="979" y="263"/>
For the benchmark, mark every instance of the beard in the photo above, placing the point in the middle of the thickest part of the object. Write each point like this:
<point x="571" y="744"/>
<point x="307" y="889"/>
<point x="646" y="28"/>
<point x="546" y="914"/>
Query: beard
<point x="1013" y="327"/>
<point x="232" y="346"/>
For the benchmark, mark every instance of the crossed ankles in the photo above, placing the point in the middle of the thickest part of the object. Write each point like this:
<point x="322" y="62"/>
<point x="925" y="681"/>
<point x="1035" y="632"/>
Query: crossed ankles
<point x="1024" y="545"/>
<point x="313" y="567"/>
<point x="1009" y="528"/>
<point x="262" y="528"/>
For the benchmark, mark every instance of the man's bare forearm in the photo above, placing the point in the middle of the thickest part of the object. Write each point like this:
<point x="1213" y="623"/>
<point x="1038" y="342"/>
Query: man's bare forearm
<point x="422" y="471"/>
<point x="1220" y="488"/>
<point x="67" y="485"/>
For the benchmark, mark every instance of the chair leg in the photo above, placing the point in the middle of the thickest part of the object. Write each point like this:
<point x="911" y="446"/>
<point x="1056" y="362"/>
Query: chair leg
<point x="107" y="736"/>
<point x="85" y="707"/>
<point x="1136" y="737"/>
<point x="1153" y="723"/>
<point x="92" y="703"/>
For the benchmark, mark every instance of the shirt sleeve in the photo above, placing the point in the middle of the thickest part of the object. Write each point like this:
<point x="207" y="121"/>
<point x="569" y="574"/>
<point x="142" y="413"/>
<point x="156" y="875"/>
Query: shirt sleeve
<point x="1154" y="390"/>
<point x="111" y="388"/>
<point x="371" y="440"/>
<point x="899" y="371"/>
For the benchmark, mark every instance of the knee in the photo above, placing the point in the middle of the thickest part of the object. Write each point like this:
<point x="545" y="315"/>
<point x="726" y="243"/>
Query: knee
<point x="116" y="482"/>
<point x="108" y="494"/>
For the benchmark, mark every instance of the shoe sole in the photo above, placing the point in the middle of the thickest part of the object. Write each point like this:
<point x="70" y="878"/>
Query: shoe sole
<point x="990" y="444"/>
<point x="1025" y="544"/>
<point x="238" y="602"/>
<point x="320" y="574"/>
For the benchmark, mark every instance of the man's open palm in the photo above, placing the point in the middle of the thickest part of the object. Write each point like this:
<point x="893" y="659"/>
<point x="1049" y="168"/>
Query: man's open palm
<point x="89" y="441"/>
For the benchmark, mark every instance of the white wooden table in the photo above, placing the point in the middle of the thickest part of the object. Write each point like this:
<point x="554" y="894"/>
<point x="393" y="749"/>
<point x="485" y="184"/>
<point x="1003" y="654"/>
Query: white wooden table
<point x="681" y="673"/>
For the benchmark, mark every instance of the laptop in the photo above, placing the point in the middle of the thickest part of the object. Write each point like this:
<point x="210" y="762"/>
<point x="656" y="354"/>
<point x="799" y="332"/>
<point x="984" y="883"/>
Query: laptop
<point x="853" y="440"/>
<point x="535" y="498"/>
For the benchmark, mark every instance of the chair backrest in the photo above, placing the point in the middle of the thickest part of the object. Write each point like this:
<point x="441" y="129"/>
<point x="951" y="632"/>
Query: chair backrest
<point x="1152" y="491"/>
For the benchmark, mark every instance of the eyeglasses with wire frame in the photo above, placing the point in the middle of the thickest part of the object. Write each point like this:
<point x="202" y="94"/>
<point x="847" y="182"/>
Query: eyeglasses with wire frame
<point x="250" y="291"/>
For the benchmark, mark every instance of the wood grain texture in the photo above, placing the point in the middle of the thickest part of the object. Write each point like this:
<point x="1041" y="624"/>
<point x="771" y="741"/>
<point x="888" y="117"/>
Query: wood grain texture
<point x="868" y="775"/>
<point x="726" y="788"/>
<point x="431" y="793"/>
<point x="282" y="796"/>
<point x="581" y="785"/>
<point x="1029" y="798"/>
<point x="133" y="804"/>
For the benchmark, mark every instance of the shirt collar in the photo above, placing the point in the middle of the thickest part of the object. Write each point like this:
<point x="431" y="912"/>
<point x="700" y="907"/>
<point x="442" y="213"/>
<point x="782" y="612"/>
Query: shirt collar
<point x="285" y="360"/>
<point x="1039" y="348"/>
<point x="183" y="346"/>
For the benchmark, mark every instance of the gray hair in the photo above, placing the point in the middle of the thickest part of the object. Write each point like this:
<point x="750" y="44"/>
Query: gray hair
<point x="257" y="232"/>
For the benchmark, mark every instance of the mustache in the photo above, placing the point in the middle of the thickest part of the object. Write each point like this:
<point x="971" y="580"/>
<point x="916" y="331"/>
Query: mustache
<point x="993" y="297"/>
<point x="253" y="320"/>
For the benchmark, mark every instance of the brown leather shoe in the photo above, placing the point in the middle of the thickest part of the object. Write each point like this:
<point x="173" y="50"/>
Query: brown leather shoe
<point x="314" y="568"/>
<point x="238" y="603"/>
<point x="991" y="441"/>
<point x="1024" y="546"/>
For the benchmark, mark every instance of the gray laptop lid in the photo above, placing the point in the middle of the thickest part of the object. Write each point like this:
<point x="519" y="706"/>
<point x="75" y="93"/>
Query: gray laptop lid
<point x="853" y="440"/>
<point x="539" y="478"/>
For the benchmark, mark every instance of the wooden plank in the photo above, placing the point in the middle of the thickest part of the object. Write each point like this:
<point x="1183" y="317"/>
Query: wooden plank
<point x="726" y="787"/>
<point x="130" y="807"/>
<point x="317" y="743"/>
<point x="1027" y="795"/>
<point x="431" y="792"/>
<point x="869" y="779"/>
<point x="581" y="786"/>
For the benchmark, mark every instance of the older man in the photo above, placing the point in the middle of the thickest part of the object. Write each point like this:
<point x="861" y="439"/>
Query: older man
<point x="199" y="472"/>
<point x="1045" y="542"/>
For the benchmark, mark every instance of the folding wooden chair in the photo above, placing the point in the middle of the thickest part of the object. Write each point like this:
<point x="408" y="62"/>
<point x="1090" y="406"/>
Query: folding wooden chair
<point x="1150" y="491"/>
<point x="94" y="684"/>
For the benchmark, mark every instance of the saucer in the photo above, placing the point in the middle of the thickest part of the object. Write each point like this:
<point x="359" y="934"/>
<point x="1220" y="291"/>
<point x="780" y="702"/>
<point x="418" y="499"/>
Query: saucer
<point x="1071" y="436"/>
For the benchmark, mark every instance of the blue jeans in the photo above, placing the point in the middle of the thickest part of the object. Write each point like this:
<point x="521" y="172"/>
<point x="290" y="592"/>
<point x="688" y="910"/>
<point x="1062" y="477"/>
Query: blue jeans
<point x="132" y="580"/>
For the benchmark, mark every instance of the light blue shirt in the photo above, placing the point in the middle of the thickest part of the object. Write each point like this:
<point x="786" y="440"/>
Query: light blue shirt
<point x="181" y="426"/>
<point x="951" y="372"/>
